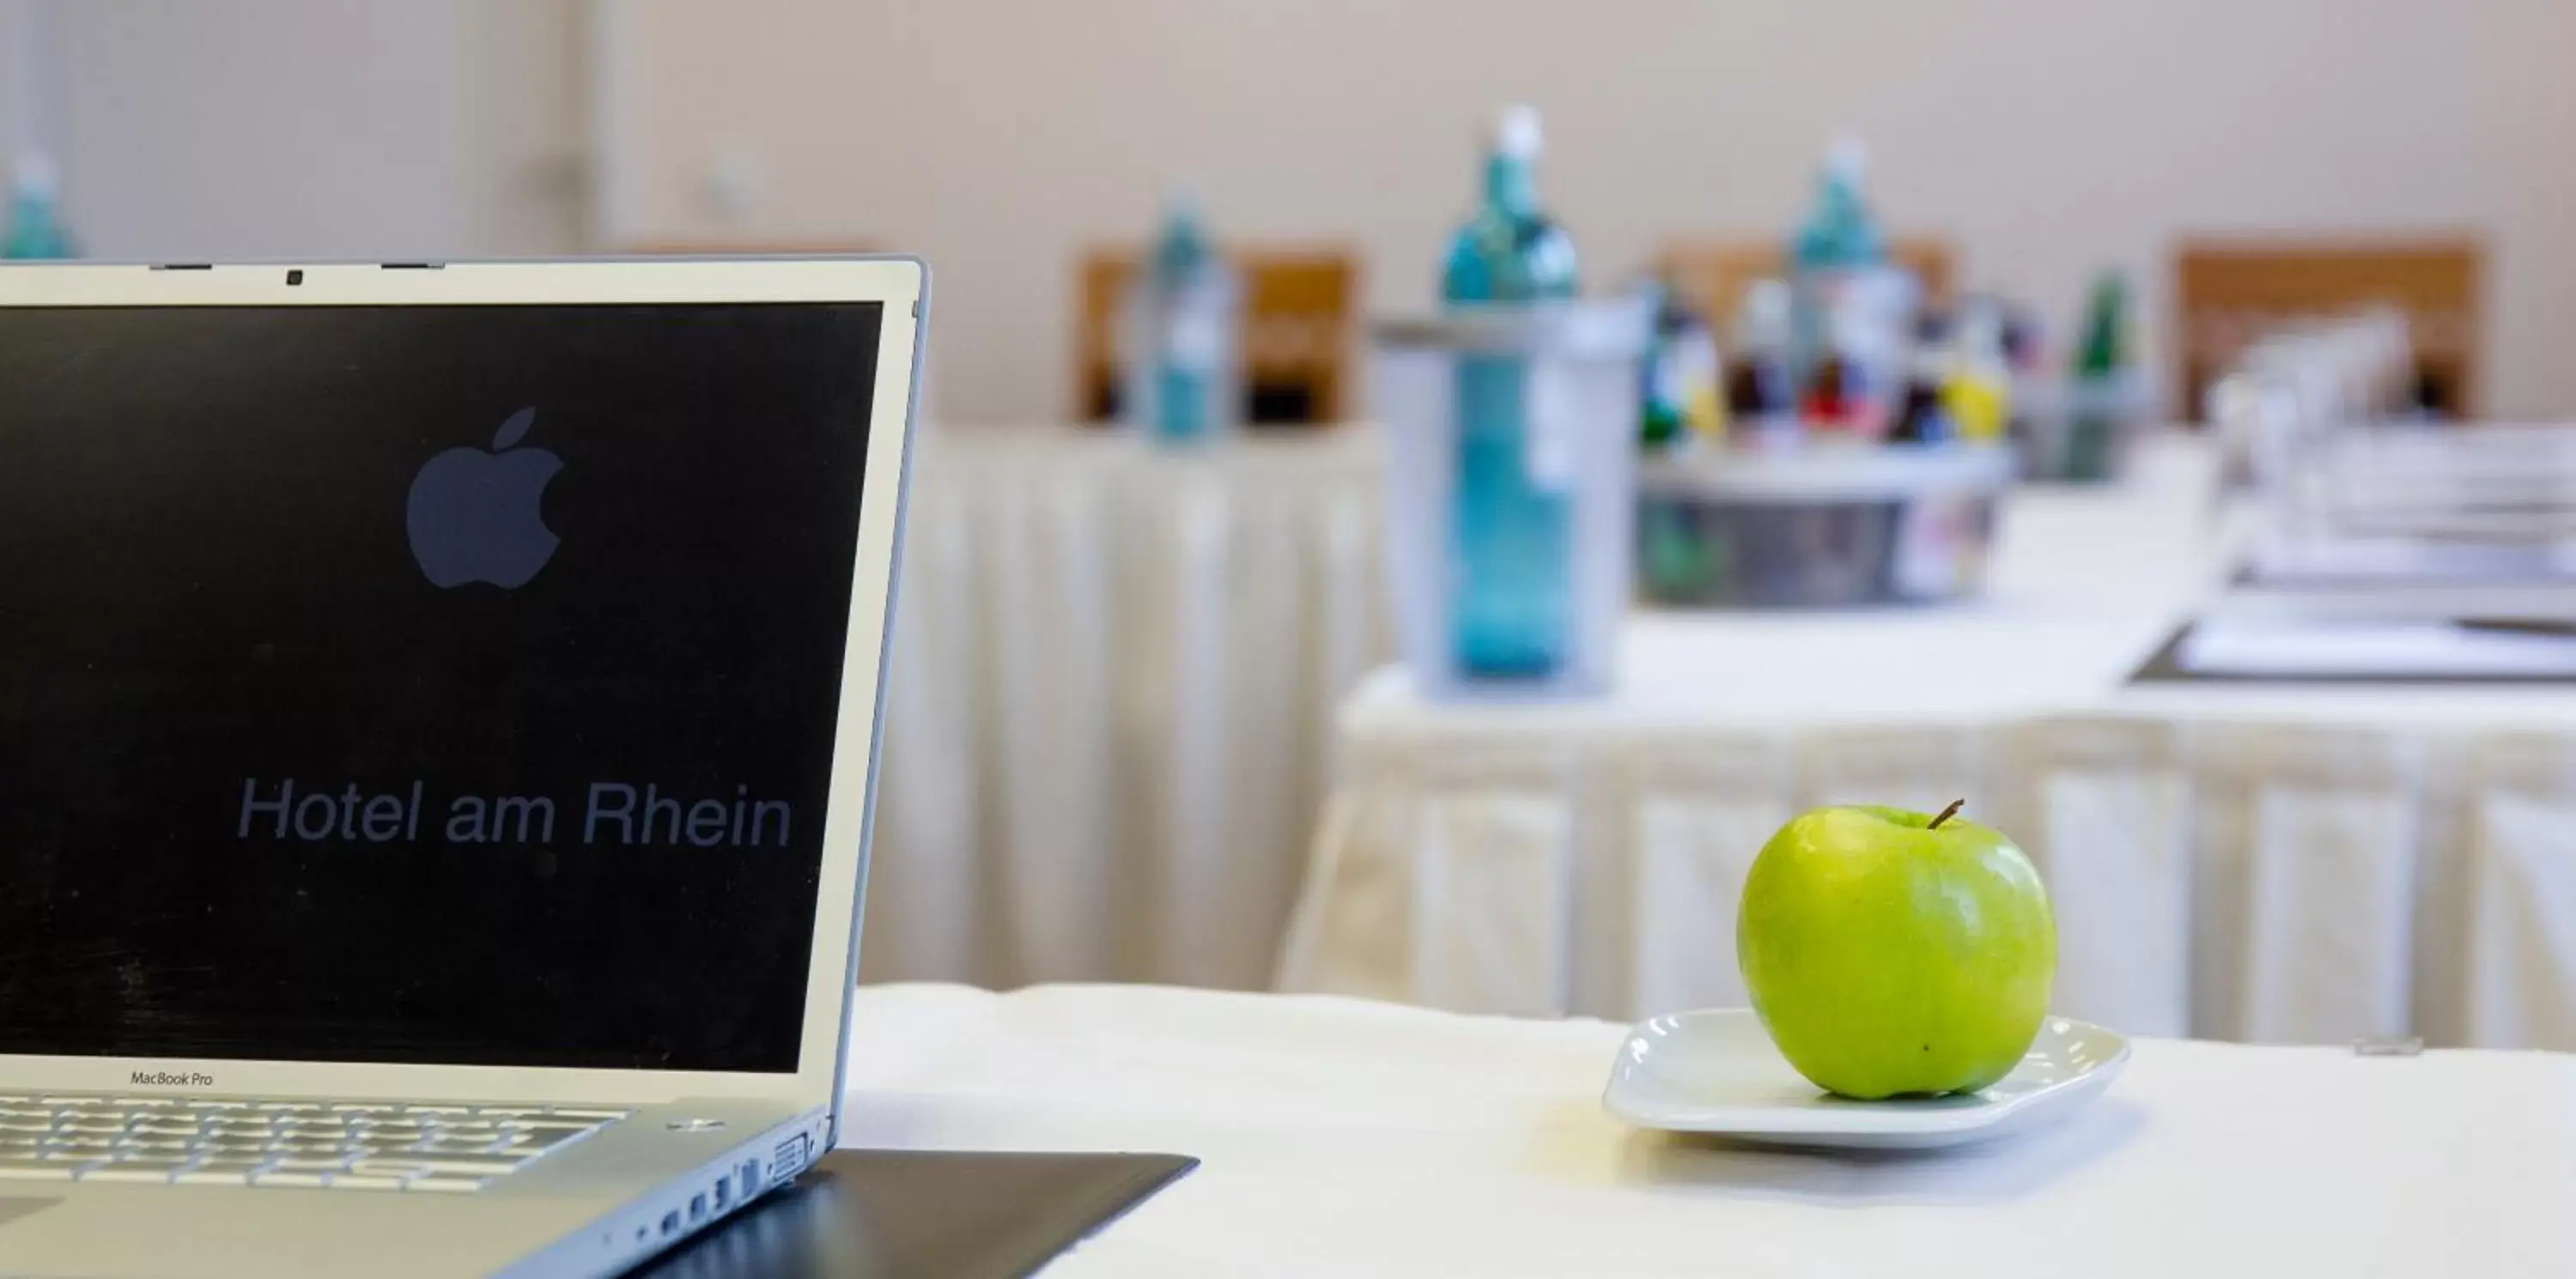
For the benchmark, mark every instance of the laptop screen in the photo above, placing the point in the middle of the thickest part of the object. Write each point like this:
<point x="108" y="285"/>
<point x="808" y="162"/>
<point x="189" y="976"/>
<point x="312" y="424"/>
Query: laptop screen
<point x="436" y="684"/>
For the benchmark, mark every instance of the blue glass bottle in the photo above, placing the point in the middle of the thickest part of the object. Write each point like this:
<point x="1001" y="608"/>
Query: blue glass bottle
<point x="35" y="227"/>
<point x="1188" y="317"/>
<point x="1839" y="240"/>
<point x="1512" y="591"/>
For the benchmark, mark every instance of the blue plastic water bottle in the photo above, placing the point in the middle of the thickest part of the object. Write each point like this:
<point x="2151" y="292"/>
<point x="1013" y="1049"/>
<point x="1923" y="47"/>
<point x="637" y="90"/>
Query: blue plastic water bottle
<point x="35" y="221"/>
<point x="1512" y="596"/>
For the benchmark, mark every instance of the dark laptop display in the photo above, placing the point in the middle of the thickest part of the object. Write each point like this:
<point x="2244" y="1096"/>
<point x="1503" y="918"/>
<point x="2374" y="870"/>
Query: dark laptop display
<point x="423" y="684"/>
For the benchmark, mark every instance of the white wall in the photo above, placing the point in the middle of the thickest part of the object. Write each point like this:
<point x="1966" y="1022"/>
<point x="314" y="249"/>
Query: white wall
<point x="2049" y="137"/>
<point x="318" y="128"/>
<point x="21" y="44"/>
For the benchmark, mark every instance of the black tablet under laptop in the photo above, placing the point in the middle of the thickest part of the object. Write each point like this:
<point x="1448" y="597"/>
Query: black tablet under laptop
<point x="874" y="1214"/>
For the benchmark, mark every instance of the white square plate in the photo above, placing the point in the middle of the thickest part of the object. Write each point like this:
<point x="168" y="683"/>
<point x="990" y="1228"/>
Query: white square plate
<point x="1716" y="1071"/>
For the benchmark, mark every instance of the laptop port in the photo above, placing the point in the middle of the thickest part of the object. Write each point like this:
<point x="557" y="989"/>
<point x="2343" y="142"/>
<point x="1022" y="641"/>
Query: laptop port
<point x="724" y="1193"/>
<point x="697" y="1208"/>
<point x="670" y="1223"/>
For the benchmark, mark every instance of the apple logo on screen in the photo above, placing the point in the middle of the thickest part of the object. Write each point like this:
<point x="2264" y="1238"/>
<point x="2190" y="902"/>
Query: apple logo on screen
<point x="474" y="517"/>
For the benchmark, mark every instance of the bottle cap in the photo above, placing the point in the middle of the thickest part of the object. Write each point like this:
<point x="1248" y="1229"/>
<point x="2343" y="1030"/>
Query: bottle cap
<point x="1516" y="132"/>
<point x="1183" y="215"/>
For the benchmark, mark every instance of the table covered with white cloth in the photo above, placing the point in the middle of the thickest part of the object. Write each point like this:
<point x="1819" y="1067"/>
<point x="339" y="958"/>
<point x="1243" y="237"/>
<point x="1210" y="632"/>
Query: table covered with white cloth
<point x="1346" y="1138"/>
<point x="2256" y="862"/>
<point x="1106" y="710"/>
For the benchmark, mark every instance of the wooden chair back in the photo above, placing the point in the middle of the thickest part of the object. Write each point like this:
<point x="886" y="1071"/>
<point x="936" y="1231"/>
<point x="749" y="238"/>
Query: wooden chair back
<point x="1301" y="310"/>
<point x="2230" y="292"/>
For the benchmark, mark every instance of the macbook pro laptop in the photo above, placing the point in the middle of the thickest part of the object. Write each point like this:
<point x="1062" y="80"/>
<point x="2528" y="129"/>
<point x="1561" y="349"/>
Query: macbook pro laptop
<point x="438" y="707"/>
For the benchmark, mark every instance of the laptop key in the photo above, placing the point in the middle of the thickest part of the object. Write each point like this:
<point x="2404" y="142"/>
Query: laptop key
<point x="37" y="1170"/>
<point x="294" y="1180"/>
<point x="309" y="1165"/>
<point x="146" y="1172"/>
<point x="467" y="1167"/>
<point x="446" y="1185"/>
<point x="306" y="1149"/>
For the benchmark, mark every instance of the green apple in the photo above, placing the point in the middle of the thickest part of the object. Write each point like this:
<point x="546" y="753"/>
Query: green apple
<point x="1890" y="953"/>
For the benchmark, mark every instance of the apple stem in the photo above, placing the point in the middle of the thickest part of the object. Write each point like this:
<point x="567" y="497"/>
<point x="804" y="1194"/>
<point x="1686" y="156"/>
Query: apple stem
<point x="1947" y="813"/>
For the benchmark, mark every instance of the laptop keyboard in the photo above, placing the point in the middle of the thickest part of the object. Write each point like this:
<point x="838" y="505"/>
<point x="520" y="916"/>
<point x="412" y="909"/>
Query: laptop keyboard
<point x="302" y="1144"/>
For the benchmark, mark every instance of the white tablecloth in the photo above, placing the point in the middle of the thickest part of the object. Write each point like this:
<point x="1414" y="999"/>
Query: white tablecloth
<point x="1105" y="718"/>
<point x="2267" y="864"/>
<point x="1344" y="1138"/>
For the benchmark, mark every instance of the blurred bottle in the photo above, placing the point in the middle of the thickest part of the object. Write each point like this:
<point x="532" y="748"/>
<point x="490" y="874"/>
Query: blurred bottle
<point x="1513" y="607"/>
<point x="1922" y="417"/>
<point x="1680" y="400"/>
<point x="1184" y="317"/>
<point x="1761" y="394"/>
<point x="1872" y="332"/>
<point x="35" y="218"/>
<point x="2099" y="395"/>
<point x="1977" y="393"/>
<point x="1838" y="242"/>
<point x="2025" y="341"/>
<point x="1509" y="250"/>
<point x="1828" y="405"/>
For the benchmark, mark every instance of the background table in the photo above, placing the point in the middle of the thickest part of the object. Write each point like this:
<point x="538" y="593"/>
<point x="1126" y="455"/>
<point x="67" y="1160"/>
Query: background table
<point x="1106" y="713"/>
<point x="1344" y="1138"/>
<point x="2258" y="863"/>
